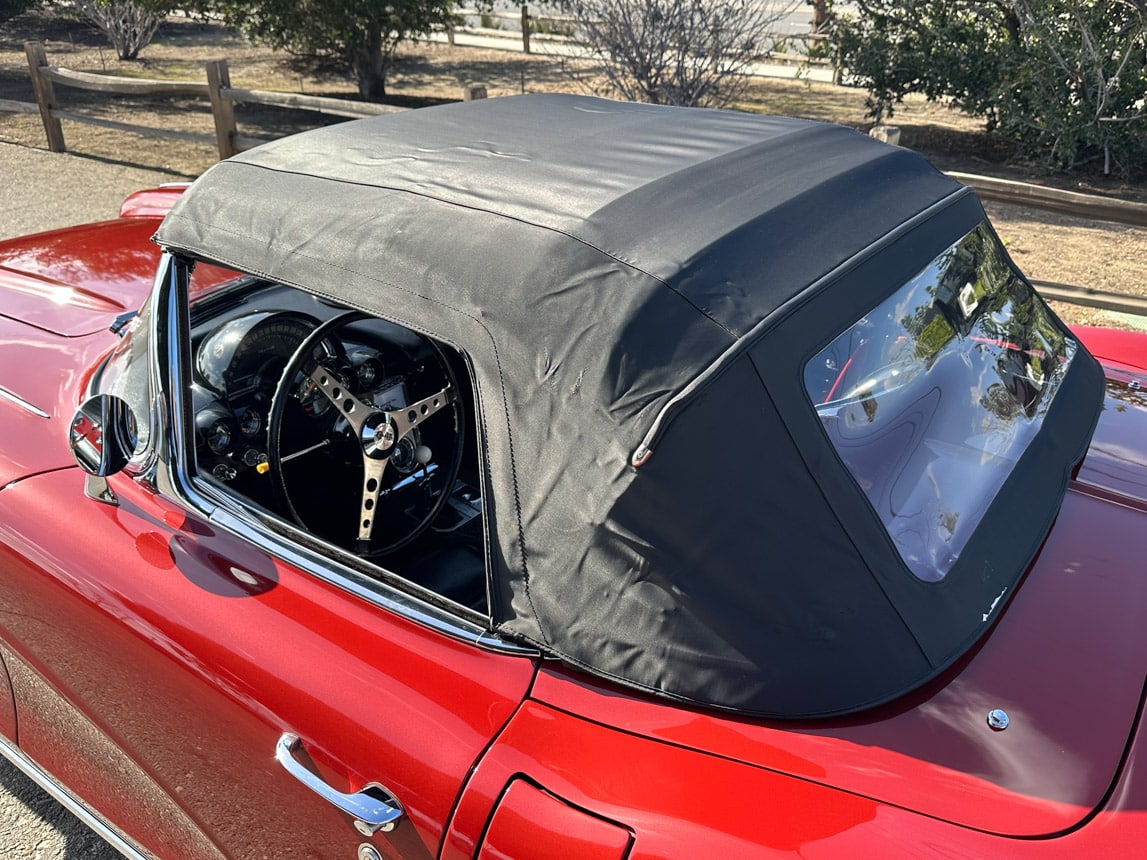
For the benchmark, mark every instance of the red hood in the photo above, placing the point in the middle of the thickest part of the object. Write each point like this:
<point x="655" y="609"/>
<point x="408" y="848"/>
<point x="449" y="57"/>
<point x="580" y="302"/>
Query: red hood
<point x="59" y="292"/>
<point x="74" y="282"/>
<point x="1066" y="660"/>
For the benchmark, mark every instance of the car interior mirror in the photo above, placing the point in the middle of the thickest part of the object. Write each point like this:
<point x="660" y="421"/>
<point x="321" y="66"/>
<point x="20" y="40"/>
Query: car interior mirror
<point x="103" y="435"/>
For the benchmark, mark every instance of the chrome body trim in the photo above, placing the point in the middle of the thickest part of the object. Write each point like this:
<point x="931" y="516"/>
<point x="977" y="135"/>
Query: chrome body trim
<point x="74" y="805"/>
<point x="171" y="327"/>
<point x="17" y="400"/>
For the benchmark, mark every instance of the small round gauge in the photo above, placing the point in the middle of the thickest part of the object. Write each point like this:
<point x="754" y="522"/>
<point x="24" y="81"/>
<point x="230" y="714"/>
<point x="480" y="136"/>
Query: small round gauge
<point x="216" y="429"/>
<point x="368" y="369"/>
<point x="218" y="437"/>
<point x="250" y="421"/>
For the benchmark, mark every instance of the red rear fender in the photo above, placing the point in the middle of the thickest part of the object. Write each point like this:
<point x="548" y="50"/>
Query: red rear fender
<point x="152" y="202"/>
<point x="1125" y="349"/>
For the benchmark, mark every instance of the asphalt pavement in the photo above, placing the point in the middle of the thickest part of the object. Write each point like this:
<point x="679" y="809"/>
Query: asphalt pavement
<point x="41" y="190"/>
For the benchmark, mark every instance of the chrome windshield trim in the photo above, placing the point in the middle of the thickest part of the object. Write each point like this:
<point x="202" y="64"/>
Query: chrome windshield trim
<point x="175" y="478"/>
<point x="70" y="802"/>
<point x="17" y="400"/>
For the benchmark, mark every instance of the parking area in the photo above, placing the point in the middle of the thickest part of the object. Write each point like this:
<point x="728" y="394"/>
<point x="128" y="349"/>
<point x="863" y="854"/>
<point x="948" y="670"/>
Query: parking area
<point x="41" y="190"/>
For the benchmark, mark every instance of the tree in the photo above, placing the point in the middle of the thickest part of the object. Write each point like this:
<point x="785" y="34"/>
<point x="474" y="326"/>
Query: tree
<point x="12" y="8"/>
<point x="1065" y="79"/>
<point x="680" y="52"/>
<point x="363" y="34"/>
<point x="128" y="24"/>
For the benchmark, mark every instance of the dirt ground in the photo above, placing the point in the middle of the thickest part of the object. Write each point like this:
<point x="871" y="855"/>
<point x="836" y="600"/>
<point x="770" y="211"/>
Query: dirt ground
<point x="1045" y="245"/>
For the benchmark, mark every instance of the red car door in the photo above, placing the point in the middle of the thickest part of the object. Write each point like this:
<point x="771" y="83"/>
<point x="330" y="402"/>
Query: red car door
<point x="159" y="661"/>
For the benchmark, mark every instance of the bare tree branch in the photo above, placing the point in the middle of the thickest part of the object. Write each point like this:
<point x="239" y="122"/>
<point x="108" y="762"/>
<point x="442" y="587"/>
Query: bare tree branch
<point x="682" y="52"/>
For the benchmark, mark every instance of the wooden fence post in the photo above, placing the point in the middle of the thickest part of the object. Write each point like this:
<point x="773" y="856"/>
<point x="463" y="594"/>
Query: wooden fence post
<point x="222" y="107"/>
<point x="45" y="95"/>
<point x="525" y="28"/>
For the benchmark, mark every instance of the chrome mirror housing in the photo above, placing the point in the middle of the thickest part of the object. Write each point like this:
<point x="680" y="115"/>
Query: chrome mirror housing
<point x="103" y="435"/>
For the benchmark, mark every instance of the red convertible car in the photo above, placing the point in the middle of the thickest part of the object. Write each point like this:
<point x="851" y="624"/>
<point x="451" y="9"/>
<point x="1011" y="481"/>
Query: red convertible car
<point x="555" y="477"/>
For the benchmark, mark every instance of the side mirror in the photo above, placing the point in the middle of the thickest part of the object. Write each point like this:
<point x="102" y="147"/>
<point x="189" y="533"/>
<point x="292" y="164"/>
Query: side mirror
<point x="103" y="435"/>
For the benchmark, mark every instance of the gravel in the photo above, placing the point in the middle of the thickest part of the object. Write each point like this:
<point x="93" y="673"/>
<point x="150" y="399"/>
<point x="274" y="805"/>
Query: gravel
<point x="41" y="190"/>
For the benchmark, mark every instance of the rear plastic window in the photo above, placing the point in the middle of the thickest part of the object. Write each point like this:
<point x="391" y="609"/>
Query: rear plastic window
<point x="933" y="396"/>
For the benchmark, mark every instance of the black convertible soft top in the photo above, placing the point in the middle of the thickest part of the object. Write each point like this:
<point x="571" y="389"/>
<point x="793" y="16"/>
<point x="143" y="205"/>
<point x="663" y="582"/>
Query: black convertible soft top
<point x="637" y="289"/>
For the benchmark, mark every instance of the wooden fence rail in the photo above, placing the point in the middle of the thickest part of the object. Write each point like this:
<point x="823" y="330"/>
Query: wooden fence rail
<point x="223" y="97"/>
<point x="1056" y="200"/>
<point x="217" y="91"/>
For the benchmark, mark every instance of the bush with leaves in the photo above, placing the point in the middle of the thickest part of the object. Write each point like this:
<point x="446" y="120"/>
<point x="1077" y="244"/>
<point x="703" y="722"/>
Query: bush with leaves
<point x="680" y="52"/>
<point x="362" y="34"/>
<point x="12" y="8"/>
<point x="1065" y="79"/>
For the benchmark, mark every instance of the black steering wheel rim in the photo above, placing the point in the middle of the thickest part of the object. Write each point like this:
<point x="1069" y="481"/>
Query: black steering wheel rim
<point x="348" y="429"/>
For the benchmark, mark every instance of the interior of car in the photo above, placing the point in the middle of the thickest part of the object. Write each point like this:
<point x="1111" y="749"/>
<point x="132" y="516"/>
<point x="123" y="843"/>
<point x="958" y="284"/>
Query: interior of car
<point x="357" y="431"/>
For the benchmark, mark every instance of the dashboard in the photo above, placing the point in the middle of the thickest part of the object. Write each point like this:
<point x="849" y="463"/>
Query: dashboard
<point x="280" y="381"/>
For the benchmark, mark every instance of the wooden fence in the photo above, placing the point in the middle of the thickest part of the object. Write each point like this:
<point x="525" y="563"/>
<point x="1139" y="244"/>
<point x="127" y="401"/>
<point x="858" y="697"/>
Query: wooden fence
<point x="217" y="91"/>
<point x="222" y="98"/>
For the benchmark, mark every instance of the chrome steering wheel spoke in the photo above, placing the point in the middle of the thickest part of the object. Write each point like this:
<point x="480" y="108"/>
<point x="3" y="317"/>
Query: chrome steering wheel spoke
<point x="350" y="407"/>
<point x="408" y="417"/>
<point x="373" y="470"/>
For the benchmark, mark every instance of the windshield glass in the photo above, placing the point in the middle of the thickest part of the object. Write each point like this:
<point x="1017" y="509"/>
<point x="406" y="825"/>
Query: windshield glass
<point x="933" y="396"/>
<point x="125" y="374"/>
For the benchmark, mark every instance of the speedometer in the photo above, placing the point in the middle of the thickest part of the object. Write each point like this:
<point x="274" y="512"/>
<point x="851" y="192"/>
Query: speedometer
<point x="248" y="354"/>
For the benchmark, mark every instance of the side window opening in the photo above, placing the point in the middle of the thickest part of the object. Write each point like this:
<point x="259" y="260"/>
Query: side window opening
<point x="353" y="429"/>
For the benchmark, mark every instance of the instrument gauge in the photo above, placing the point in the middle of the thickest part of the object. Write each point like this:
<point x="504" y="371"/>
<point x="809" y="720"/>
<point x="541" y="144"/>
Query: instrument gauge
<point x="250" y="422"/>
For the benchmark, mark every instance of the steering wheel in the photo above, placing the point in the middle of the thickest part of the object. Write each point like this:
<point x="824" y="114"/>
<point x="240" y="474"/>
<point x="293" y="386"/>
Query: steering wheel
<point x="347" y="448"/>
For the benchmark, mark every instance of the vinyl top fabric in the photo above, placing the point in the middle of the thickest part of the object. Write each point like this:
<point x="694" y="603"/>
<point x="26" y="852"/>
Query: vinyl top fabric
<point x="641" y="285"/>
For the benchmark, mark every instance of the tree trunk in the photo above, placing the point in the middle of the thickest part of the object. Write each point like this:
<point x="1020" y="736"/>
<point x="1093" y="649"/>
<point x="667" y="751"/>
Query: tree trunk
<point x="369" y="66"/>
<point x="819" y="15"/>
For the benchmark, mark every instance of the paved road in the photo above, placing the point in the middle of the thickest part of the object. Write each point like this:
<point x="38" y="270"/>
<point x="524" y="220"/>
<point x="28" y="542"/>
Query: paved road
<point x="42" y="190"/>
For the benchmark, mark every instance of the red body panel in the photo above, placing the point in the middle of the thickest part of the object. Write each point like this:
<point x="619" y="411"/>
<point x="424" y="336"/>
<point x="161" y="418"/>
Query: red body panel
<point x="73" y="282"/>
<point x="683" y="804"/>
<point x="1125" y="349"/>
<point x="528" y="818"/>
<point x="48" y="373"/>
<point x="188" y="652"/>
<point x="152" y="202"/>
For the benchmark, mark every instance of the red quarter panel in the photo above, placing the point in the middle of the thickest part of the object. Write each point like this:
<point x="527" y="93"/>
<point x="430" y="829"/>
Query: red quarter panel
<point x="530" y="822"/>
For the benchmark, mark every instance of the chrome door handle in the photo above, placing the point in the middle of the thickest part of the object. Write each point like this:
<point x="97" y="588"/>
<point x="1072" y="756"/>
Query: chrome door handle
<point x="373" y="809"/>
